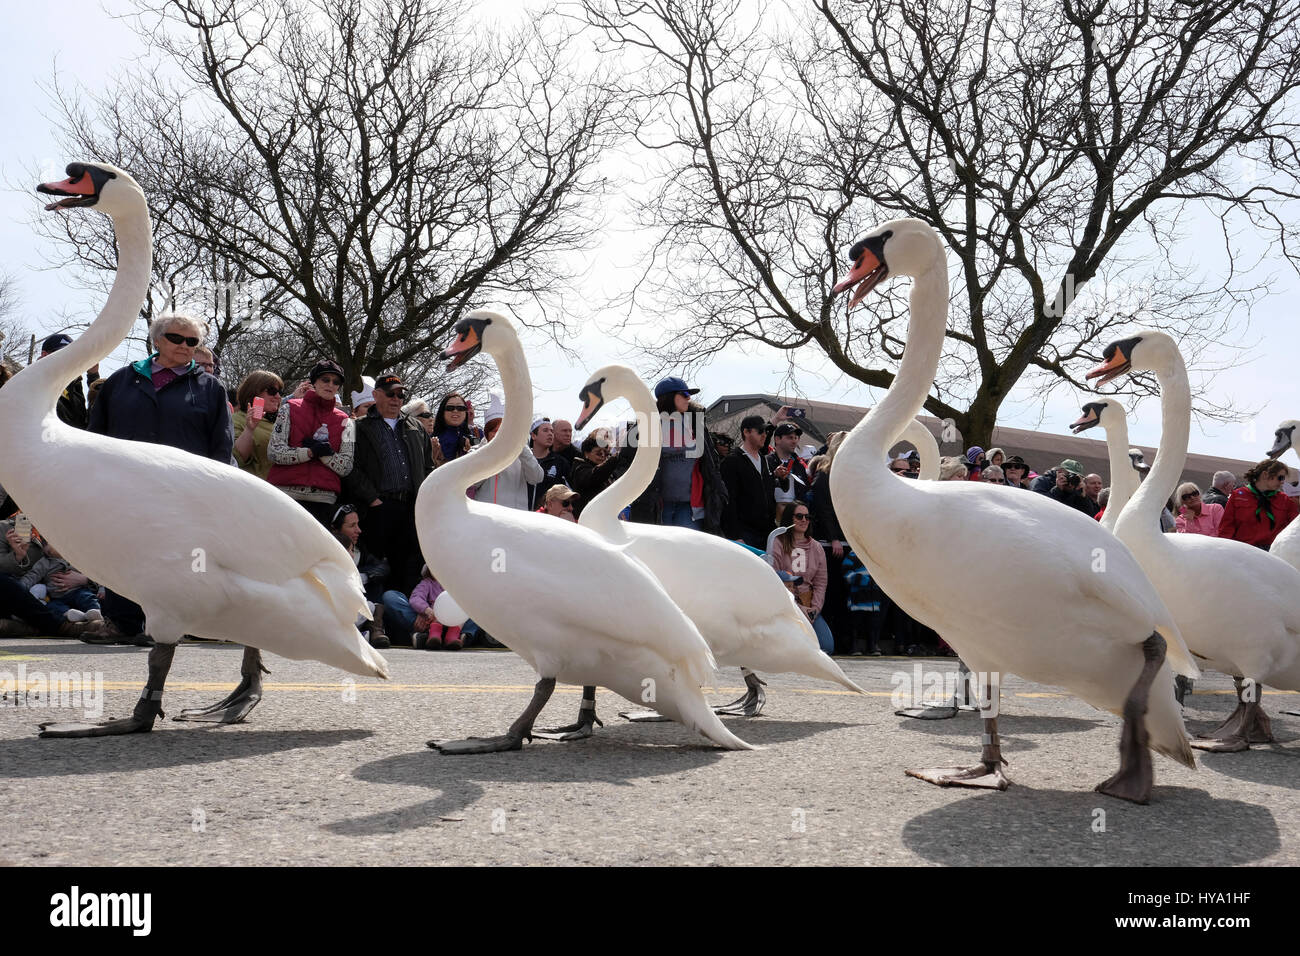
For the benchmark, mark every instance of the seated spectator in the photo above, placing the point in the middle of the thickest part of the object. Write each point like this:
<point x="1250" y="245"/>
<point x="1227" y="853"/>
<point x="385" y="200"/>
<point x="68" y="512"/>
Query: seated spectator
<point x="412" y="619"/>
<point x="594" y="471"/>
<point x="508" y="487"/>
<point x="311" y="448"/>
<point x="995" y="456"/>
<point x="254" y="426"/>
<point x="1221" y="486"/>
<point x="993" y="475"/>
<point x="559" y="501"/>
<point x="1257" y="512"/>
<point x="21" y="614"/>
<point x="453" y="427"/>
<point x="1194" y="515"/>
<point x="796" y="553"/>
<point x="68" y="593"/>
<point x="345" y="525"/>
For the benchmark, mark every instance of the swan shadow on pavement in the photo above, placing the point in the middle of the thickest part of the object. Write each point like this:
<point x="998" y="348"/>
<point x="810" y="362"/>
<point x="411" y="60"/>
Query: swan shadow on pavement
<point x="1024" y="826"/>
<point x="30" y="757"/>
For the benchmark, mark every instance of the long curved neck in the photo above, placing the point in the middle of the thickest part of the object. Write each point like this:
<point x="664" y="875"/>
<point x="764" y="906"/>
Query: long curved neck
<point x="133" y="232"/>
<point x="869" y="441"/>
<point x="1123" y="479"/>
<point x="504" y="447"/>
<point x="922" y="439"/>
<point x="602" y="513"/>
<point x="1175" y="427"/>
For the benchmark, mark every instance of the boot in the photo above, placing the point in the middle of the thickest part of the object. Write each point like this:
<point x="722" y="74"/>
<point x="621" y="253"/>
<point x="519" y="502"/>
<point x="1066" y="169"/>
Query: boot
<point x="451" y="639"/>
<point x="378" y="639"/>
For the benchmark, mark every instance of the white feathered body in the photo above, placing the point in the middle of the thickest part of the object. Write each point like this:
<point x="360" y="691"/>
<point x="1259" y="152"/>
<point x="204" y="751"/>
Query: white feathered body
<point x="204" y="548"/>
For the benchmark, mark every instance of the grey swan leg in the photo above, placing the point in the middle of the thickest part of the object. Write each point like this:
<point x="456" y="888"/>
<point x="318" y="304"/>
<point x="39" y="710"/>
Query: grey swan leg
<point x="960" y="700"/>
<point x="147" y="709"/>
<point x="1246" y="725"/>
<point x="751" y="704"/>
<point x="1182" y="687"/>
<point x="987" y="774"/>
<point x="513" y="739"/>
<point x="1134" y="778"/>
<point x="586" y="719"/>
<point x="235" y="708"/>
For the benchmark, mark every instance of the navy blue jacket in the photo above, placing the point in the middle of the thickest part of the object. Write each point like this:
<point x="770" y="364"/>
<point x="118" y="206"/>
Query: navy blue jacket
<point x="190" y="413"/>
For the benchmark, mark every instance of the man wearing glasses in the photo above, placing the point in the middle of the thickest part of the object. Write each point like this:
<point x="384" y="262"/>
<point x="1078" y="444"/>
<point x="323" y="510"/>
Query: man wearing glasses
<point x="392" y="458"/>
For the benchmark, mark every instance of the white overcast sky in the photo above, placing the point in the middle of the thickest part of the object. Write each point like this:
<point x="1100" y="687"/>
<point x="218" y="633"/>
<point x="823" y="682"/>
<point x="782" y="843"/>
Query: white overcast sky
<point x="89" y="45"/>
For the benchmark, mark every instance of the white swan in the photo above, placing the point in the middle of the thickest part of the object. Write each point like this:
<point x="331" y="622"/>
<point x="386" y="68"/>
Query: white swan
<point x="1124" y="479"/>
<point x="927" y="449"/>
<point x="1287" y="544"/>
<point x="748" y="617"/>
<point x="263" y="573"/>
<point x="502" y="564"/>
<point x="998" y="614"/>
<point x="1235" y="604"/>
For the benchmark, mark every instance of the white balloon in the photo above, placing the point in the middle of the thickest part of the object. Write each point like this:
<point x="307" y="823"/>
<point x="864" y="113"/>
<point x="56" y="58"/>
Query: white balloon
<point x="448" y="612"/>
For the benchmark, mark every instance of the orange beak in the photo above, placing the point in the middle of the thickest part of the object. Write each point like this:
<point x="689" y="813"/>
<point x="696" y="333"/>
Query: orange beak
<point x="84" y="186"/>
<point x="589" y="408"/>
<point x="868" y="271"/>
<point x="1111" y="369"/>
<point x="462" y="350"/>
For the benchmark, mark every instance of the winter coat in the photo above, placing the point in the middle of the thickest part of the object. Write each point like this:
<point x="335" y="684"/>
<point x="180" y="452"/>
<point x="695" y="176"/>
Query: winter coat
<point x="509" y="486"/>
<point x="258" y="463"/>
<point x="190" y="413"/>
<point x="362" y="483"/>
<point x="425" y="593"/>
<point x="9" y="561"/>
<point x="813" y="569"/>
<point x="71" y="407"/>
<point x="1240" y="523"/>
<point x="555" y="471"/>
<point x="708" y="490"/>
<point x="824" y="526"/>
<point x="293" y="466"/>
<point x="589" y="480"/>
<point x="750" y="496"/>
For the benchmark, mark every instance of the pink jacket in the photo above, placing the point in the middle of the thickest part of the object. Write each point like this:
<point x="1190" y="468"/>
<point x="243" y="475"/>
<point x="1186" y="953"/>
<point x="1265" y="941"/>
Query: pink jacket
<point x="425" y="593"/>
<point x="812" y="568"/>
<point x="1207" y="523"/>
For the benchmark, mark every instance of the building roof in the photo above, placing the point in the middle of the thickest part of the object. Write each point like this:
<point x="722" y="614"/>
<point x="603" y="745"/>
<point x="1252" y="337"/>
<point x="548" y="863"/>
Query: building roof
<point x="1043" y="451"/>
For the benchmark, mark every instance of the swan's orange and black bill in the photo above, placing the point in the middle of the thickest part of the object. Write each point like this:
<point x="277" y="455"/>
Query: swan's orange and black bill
<point x="81" y="188"/>
<point x="869" y="268"/>
<point x="1115" y="361"/>
<point x="469" y="342"/>
<point x="1091" y="416"/>
<point x="591" y="400"/>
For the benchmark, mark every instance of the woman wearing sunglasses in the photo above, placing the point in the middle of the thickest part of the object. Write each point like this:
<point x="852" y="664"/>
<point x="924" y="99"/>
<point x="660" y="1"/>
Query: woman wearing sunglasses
<point x="164" y="399"/>
<point x="796" y="553"/>
<point x="1196" y="516"/>
<point x="311" y="448"/>
<point x="453" y="427"/>
<point x="1257" y="512"/>
<point x="254" y="420"/>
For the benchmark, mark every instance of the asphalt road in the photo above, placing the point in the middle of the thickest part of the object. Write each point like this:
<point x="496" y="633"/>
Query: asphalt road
<point x="331" y="772"/>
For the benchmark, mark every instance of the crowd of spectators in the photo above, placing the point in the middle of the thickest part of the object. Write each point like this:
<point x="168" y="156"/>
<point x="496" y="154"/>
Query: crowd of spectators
<point x="357" y="467"/>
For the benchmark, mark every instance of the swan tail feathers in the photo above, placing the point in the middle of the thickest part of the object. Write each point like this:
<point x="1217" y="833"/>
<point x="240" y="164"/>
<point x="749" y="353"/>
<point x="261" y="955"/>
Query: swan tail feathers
<point x="698" y="715"/>
<point x="821" y="667"/>
<point x="1166" y="733"/>
<point x="1176" y="652"/>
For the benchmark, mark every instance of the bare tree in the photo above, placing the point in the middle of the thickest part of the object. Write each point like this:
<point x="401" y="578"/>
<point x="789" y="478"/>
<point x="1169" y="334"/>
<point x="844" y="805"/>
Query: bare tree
<point x="1063" y="150"/>
<point x="15" y="336"/>
<point x="348" y="177"/>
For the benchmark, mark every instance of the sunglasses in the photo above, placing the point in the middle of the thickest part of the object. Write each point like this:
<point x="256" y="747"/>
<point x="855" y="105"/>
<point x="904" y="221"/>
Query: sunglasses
<point x="797" y="433"/>
<point x="344" y="512"/>
<point x="397" y="392"/>
<point x="457" y="408"/>
<point x="802" y="517"/>
<point x="901" y="471"/>
<point x="566" y="505"/>
<point x="424" y="414"/>
<point x="1191" y="494"/>
<point x="175" y="338"/>
<point x="331" y="380"/>
<point x="271" y="390"/>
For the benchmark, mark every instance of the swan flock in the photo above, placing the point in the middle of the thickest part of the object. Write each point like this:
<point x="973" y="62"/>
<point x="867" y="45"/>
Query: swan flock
<point x="689" y="602"/>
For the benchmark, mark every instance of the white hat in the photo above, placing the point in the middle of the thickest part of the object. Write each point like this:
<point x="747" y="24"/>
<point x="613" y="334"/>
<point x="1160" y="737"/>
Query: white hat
<point x="367" y="394"/>
<point x="496" y="407"/>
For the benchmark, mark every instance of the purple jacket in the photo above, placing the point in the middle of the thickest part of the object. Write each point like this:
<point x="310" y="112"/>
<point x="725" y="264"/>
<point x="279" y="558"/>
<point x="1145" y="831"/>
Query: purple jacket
<point x="425" y="593"/>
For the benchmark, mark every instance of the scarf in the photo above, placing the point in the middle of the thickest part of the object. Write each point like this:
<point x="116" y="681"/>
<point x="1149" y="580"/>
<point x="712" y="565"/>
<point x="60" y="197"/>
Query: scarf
<point x="450" y="439"/>
<point x="1264" y="504"/>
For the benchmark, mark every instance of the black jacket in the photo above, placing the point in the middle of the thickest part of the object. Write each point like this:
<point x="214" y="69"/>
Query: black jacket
<point x="1046" y="485"/>
<point x="824" y="525"/>
<point x="71" y="408"/>
<point x="648" y="508"/>
<point x="362" y="485"/>
<point x="589" y="480"/>
<point x="750" y="498"/>
<point x="555" y="471"/>
<point x="190" y="413"/>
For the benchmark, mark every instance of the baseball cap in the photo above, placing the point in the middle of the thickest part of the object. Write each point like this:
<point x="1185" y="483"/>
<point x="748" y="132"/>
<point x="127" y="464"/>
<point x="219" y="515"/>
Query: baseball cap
<point x="673" y="384"/>
<point x="56" y="341"/>
<point x="788" y="428"/>
<point x="1070" y="464"/>
<point x="389" y="383"/>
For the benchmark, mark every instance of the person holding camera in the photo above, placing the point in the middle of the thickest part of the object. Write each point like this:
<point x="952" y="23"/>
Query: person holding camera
<point x="1065" y="484"/>
<point x="789" y="470"/>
